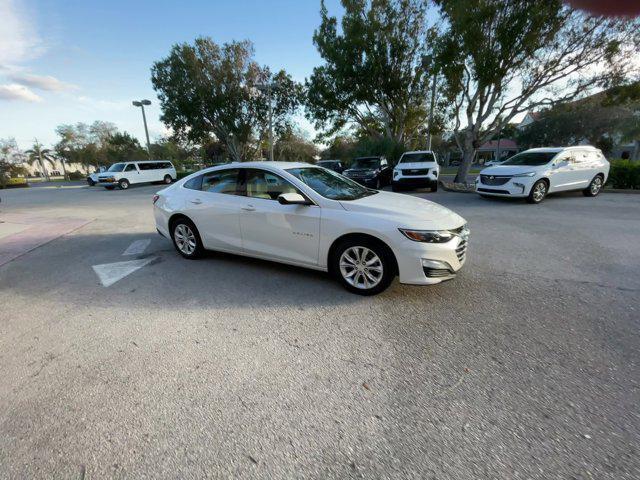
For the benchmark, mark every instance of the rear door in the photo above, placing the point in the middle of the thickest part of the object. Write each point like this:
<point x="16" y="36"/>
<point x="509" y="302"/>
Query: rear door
<point x="272" y="230"/>
<point x="214" y="204"/>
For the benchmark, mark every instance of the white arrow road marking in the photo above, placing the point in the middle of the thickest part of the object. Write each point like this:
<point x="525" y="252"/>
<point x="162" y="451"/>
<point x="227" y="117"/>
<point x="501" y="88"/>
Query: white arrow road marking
<point x="110" y="273"/>
<point x="137" y="247"/>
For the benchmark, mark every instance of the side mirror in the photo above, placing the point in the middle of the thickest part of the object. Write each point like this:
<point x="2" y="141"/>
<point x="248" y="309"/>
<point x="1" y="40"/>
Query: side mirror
<point x="292" y="199"/>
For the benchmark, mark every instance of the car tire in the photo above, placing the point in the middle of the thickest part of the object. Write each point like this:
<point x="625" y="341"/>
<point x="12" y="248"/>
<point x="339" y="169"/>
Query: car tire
<point x="378" y="184"/>
<point x="109" y="187"/>
<point x="434" y="187"/>
<point x="123" y="184"/>
<point x="168" y="179"/>
<point x="90" y="182"/>
<point x="395" y="188"/>
<point x="595" y="187"/>
<point x="538" y="192"/>
<point x="186" y="238"/>
<point x="363" y="266"/>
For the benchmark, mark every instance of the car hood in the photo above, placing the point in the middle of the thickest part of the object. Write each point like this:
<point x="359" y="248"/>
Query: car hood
<point x="406" y="211"/>
<point x="509" y="169"/>
<point x="361" y="170"/>
<point x="415" y="165"/>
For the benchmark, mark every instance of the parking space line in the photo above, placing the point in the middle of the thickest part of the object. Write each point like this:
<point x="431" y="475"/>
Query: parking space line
<point x="110" y="273"/>
<point x="137" y="247"/>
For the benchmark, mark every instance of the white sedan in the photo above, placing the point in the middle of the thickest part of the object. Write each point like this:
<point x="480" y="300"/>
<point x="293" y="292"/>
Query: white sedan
<point x="300" y="214"/>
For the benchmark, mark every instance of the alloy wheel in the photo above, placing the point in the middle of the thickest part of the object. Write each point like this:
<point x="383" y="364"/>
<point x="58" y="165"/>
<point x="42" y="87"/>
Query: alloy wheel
<point x="185" y="239"/>
<point x="539" y="191"/>
<point x="361" y="267"/>
<point x="596" y="185"/>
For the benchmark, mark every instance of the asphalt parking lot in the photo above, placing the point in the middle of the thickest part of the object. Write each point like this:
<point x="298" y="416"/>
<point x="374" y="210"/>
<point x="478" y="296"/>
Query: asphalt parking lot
<point x="524" y="366"/>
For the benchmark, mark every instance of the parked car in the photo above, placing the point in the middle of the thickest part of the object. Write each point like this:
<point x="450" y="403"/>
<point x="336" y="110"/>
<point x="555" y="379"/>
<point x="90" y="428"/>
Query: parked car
<point x="415" y="170"/>
<point x="534" y="173"/>
<point x="124" y="174"/>
<point x="372" y="172"/>
<point x="300" y="214"/>
<point x="491" y="163"/>
<point x="335" y="165"/>
<point x="92" y="178"/>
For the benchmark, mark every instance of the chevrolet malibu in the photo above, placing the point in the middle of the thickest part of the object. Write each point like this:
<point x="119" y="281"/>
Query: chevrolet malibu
<point x="303" y="215"/>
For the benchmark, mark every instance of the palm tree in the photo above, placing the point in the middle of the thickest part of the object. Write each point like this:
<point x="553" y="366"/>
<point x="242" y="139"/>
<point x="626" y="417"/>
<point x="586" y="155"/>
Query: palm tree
<point x="39" y="154"/>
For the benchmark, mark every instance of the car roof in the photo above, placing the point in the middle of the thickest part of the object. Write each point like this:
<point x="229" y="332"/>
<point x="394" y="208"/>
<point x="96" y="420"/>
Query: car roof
<point x="268" y="165"/>
<point x="561" y="149"/>
<point x="419" y="151"/>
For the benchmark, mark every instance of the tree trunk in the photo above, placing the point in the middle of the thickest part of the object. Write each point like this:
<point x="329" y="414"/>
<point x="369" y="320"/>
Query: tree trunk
<point x="64" y="169"/>
<point x="635" y="155"/>
<point x="468" y="154"/>
<point x="44" y="170"/>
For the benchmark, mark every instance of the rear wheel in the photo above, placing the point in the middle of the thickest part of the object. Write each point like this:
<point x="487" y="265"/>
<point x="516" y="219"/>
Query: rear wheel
<point x="363" y="266"/>
<point x="594" y="187"/>
<point x="186" y="238"/>
<point x="167" y="179"/>
<point x="123" y="184"/>
<point x="538" y="192"/>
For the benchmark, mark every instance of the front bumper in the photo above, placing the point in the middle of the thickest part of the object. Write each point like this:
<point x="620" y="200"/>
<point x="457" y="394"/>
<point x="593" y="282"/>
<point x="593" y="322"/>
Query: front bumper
<point x="430" y="263"/>
<point x="415" y="181"/>
<point x="517" y="187"/>
<point x="366" y="181"/>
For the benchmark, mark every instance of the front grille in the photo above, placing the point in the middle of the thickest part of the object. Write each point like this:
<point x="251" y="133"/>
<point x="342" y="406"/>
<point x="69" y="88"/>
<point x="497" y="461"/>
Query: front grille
<point x="494" y="180"/>
<point x="415" y="171"/>
<point x="106" y="180"/>
<point x="461" y="250"/>
<point x="437" y="272"/>
<point x="489" y="190"/>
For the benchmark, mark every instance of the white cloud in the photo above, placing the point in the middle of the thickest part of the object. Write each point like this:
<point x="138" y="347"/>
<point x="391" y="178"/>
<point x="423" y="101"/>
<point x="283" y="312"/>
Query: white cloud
<point x="18" y="92"/>
<point x="19" y="40"/>
<point x="42" y="82"/>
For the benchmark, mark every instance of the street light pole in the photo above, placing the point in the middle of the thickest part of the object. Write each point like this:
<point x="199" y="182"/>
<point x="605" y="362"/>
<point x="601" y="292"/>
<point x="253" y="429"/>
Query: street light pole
<point x="433" y="102"/>
<point x="141" y="104"/>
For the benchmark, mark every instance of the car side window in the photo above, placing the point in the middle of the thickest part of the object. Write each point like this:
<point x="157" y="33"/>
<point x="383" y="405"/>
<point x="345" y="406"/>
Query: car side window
<point x="267" y="185"/>
<point x="130" y="168"/>
<point x="220" y="181"/>
<point x="194" y="184"/>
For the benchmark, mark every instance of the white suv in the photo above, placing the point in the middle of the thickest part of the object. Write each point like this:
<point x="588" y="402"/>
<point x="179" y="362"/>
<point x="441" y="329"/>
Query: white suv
<point x="124" y="174"/>
<point x="534" y="173"/>
<point x="416" y="169"/>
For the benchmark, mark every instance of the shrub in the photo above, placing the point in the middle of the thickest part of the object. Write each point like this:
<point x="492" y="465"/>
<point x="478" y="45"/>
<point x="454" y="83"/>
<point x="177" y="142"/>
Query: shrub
<point x="183" y="174"/>
<point x="75" y="175"/>
<point x="15" y="182"/>
<point x="624" y="174"/>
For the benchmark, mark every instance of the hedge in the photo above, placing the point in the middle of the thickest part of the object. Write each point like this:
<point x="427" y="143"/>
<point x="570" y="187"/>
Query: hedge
<point x="624" y="174"/>
<point x="183" y="174"/>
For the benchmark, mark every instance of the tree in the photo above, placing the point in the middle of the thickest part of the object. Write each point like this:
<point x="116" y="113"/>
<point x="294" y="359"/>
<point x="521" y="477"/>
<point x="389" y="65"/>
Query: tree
<point x="500" y="58"/>
<point x="38" y="154"/>
<point x="11" y="159"/>
<point x="120" y="146"/>
<point x="294" y="146"/>
<point x="376" y="69"/>
<point x="206" y="89"/>
<point x="591" y="119"/>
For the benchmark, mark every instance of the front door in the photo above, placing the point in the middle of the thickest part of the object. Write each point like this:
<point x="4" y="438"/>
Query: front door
<point x="272" y="230"/>
<point x="214" y="205"/>
<point x="132" y="173"/>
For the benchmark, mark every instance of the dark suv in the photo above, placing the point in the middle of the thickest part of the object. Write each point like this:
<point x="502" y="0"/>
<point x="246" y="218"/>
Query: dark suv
<point x="373" y="172"/>
<point x="335" y="165"/>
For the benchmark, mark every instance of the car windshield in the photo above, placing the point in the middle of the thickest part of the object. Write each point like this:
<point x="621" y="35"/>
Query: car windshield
<point x="530" y="158"/>
<point x="417" y="157"/>
<point x="368" y="163"/>
<point x="116" y="167"/>
<point x="330" y="184"/>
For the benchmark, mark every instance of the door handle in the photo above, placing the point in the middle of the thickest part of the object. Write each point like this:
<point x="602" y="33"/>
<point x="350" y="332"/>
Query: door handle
<point x="197" y="201"/>
<point x="249" y="208"/>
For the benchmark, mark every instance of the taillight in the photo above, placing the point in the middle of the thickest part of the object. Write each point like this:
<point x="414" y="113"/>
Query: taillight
<point x="155" y="198"/>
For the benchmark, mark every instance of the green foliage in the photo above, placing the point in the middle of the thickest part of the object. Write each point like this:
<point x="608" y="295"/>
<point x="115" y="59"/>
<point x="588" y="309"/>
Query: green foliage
<point x="183" y="174"/>
<point x="624" y="174"/>
<point x="293" y="146"/>
<point x="376" y="69"/>
<point x="122" y="146"/>
<point x="75" y="175"/>
<point x="210" y="90"/>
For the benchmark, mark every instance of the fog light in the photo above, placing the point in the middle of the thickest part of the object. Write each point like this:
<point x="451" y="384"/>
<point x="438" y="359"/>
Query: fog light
<point x="519" y="185"/>
<point x="435" y="264"/>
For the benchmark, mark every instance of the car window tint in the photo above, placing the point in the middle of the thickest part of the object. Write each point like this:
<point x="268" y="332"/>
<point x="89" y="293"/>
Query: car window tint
<point x="267" y="185"/>
<point x="130" y="168"/>
<point x="194" y="184"/>
<point x="220" y="181"/>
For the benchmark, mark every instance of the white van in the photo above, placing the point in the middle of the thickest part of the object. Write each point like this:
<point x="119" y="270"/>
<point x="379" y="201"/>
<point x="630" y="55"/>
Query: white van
<point x="124" y="174"/>
<point x="416" y="170"/>
<point x="534" y="173"/>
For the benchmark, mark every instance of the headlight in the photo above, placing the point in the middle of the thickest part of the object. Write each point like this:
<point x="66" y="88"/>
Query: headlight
<point x="396" y="173"/>
<point x="427" y="236"/>
<point x="528" y="174"/>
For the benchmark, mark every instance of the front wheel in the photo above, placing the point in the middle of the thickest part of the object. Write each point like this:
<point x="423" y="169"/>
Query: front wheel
<point x="90" y="182"/>
<point x="434" y="187"/>
<point x="395" y="188"/>
<point x="363" y="266"/>
<point x="594" y="187"/>
<point x="123" y="184"/>
<point x="538" y="192"/>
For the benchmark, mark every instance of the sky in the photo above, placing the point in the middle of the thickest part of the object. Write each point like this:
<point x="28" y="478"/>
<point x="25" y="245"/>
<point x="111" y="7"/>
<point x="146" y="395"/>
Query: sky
<point x="78" y="61"/>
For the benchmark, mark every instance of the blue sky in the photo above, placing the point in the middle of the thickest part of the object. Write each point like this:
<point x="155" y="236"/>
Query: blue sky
<point x="80" y="61"/>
